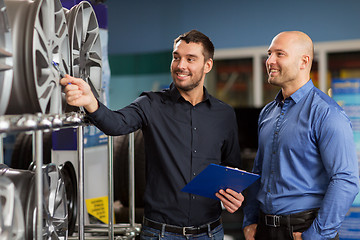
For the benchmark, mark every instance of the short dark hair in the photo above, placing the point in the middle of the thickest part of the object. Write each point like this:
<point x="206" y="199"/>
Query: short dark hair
<point x="198" y="37"/>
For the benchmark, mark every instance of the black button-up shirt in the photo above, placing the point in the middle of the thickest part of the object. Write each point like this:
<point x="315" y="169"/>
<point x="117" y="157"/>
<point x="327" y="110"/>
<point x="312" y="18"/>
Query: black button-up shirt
<point x="180" y="141"/>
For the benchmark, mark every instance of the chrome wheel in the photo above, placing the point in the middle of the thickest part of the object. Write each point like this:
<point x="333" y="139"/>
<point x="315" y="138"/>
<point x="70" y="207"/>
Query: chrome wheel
<point x="11" y="212"/>
<point x="55" y="205"/>
<point x="6" y="72"/>
<point x="55" y="214"/>
<point x="40" y="36"/>
<point x="85" y="46"/>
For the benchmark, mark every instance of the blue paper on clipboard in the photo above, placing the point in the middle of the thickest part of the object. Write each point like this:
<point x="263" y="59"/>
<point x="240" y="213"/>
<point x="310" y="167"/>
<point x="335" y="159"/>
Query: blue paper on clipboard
<point x="215" y="177"/>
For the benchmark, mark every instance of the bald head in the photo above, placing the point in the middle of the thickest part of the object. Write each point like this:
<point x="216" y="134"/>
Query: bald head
<point x="299" y="42"/>
<point x="289" y="61"/>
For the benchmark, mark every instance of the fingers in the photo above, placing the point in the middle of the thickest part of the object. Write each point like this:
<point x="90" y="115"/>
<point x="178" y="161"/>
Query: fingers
<point x="66" y="80"/>
<point x="70" y="80"/>
<point x="297" y="236"/>
<point x="231" y="199"/>
<point x="80" y="83"/>
<point x="78" y="92"/>
<point x="249" y="232"/>
<point x="72" y="93"/>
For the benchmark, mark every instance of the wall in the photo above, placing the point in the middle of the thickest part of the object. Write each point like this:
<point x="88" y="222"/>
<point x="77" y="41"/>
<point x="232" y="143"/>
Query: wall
<point x="149" y="27"/>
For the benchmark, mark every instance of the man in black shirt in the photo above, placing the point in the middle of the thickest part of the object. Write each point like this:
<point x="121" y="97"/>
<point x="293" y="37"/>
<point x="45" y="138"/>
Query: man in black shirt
<point x="185" y="129"/>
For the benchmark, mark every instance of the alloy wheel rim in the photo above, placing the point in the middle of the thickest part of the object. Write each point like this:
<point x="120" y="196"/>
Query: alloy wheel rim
<point x="6" y="70"/>
<point x="85" y="46"/>
<point x="40" y="37"/>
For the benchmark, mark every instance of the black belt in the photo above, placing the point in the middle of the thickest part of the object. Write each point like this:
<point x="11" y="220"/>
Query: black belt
<point x="182" y="230"/>
<point x="286" y="220"/>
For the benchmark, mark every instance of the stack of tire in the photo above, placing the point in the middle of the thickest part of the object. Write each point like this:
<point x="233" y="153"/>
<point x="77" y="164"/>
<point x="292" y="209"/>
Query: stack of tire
<point x="37" y="39"/>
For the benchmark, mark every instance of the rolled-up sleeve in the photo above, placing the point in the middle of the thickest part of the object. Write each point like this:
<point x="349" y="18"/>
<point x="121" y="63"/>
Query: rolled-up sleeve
<point x="338" y="154"/>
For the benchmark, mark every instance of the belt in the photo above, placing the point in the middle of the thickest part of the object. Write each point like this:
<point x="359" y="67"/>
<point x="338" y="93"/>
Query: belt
<point x="286" y="220"/>
<point x="182" y="230"/>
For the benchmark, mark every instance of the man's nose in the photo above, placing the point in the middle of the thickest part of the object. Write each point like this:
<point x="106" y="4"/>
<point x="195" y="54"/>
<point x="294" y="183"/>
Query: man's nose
<point x="182" y="64"/>
<point x="270" y="60"/>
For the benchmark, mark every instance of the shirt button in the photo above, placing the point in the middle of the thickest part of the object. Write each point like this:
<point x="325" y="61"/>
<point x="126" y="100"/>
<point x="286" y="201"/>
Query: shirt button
<point x="194" y="151"/>
<point x="194" y="174"/>
<point x="195" y="128"/>
<point x="193" y="197"/>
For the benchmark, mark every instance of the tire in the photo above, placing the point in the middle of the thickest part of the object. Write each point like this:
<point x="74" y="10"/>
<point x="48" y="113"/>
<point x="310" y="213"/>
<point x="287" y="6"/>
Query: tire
<point x="121" y="172"/>
<point x="22" y="156"/>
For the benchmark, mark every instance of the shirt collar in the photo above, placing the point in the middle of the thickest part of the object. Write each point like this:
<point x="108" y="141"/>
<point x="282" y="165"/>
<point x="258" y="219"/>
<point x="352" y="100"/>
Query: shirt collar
<point x="298" y="95"/>
<point x="175" y="94"/>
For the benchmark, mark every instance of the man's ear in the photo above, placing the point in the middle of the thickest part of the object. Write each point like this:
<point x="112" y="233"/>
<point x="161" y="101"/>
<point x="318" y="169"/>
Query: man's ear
<point x="208" y="65"/>
<point x="305" y="61"/>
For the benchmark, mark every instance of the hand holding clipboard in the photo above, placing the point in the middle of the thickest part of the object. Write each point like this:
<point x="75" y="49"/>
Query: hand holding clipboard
<point x="215" y="177"/>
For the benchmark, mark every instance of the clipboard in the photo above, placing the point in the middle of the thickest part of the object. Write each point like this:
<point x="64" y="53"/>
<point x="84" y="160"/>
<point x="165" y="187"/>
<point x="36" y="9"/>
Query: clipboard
<point x="215" y="177"/>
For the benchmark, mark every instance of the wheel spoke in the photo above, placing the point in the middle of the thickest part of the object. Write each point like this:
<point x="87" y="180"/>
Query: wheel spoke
<point x="6" y="64"/>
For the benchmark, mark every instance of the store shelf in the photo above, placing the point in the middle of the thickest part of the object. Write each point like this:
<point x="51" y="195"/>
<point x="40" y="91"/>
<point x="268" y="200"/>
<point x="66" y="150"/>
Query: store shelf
<point x="31" y="122"/>
<point x="39" y="123"/>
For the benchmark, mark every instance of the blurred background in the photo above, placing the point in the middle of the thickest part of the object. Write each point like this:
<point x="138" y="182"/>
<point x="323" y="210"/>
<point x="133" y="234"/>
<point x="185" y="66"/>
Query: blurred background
<point x="141" y="35"/>
<point x="140" y="41"/>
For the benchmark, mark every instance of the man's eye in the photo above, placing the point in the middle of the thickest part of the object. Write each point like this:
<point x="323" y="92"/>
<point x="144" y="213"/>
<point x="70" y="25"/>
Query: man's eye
<point x="191" y="59"/>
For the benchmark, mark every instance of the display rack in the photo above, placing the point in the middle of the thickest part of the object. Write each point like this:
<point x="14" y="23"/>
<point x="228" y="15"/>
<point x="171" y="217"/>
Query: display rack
<point x="37" y="124"/>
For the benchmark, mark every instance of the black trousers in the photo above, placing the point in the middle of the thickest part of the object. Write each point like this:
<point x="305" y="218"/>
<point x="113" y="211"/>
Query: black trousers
<point x="282" y="227"/>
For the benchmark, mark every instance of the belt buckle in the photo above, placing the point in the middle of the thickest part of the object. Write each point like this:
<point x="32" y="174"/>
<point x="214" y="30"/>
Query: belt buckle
<point x="272" y="220"/>
<point x="184" y="230"/>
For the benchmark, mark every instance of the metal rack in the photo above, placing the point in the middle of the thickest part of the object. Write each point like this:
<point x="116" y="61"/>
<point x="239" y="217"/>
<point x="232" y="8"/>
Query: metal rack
<point x="38" y="123"/>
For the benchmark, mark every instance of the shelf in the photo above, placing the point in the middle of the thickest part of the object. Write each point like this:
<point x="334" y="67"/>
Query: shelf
<point x="39" y="123"/>
<point x="33" y="122"/>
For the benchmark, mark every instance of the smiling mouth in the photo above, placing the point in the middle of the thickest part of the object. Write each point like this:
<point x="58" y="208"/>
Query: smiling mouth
<point x="183" y="74"/>
<point x="273" y="71"/>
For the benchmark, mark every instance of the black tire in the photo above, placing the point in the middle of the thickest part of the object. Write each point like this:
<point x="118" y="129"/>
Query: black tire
<point x="22" y="153"/>
<point x="121" y="172"/>
<point x="68" y="173"/>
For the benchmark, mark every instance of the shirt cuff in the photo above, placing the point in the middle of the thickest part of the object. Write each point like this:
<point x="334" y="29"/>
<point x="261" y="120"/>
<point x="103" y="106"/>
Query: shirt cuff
<point x="312" y="234"/>
<point x="250" y="219"/>
<point x="97" y="111"/>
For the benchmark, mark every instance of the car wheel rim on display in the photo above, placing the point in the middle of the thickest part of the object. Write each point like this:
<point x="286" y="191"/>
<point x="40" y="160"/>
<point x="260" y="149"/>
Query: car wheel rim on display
<point x="40" y="37"/>
<point x="85" y="46"/>
<point x="6" y="71"/>
<point x="55" y="215"/>
<point x="55" y="204"/>
<point x="11" y="211"/>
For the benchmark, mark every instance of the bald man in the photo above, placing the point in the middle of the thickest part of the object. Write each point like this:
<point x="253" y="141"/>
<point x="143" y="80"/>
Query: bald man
<point x="306" y="155"/>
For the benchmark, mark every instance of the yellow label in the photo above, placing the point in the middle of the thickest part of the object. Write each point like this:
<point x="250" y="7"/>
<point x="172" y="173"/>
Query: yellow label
<point x="99" y="208"/>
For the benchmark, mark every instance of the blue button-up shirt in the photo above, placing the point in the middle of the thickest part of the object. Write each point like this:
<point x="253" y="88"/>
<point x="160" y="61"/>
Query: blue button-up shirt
<point x="307" y="159"/>
<point x="180" y="141"/>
